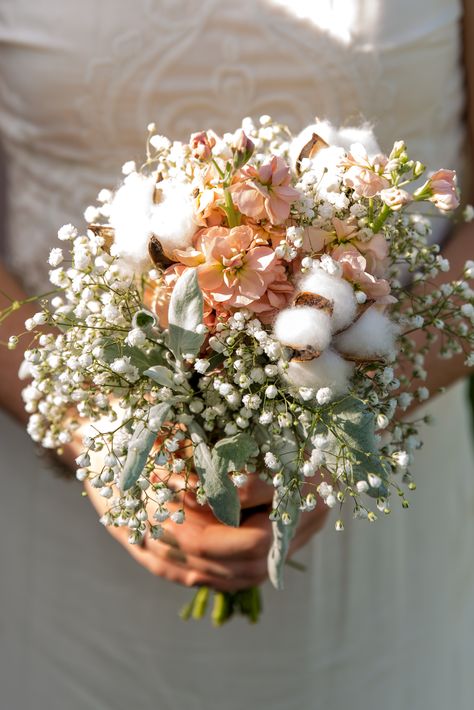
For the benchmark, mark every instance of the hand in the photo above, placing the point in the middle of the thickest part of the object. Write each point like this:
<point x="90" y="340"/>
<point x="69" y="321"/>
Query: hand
<point x="203" y="551"/>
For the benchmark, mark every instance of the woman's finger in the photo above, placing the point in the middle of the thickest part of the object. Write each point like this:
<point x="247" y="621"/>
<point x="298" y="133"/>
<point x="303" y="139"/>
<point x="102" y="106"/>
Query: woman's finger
<point x="203" y="536"/>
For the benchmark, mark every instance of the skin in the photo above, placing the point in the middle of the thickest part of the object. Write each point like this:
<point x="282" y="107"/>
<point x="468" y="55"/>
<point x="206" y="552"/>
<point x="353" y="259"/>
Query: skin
<point x="203" y="551"/>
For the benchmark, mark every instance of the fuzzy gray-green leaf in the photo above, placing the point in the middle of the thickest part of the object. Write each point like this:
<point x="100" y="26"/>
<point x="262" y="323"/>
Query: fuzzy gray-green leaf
<point x="285" y="447"/>
<point x="185" y="313"/>
<point x="141" y="444"/>
<point x="221" y="493"/>
<point x="233" y="452"/>
<point x="354" y="435"/>
<point x="161" y="375"/>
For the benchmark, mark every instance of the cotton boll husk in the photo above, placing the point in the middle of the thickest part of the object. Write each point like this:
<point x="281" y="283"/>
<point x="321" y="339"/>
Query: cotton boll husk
<point x="130" y="218"/>
<point x="327" y="370"/>
<point x="172" y="220"/>
<point x="373" y="335"/>
<point x="303" y="327"/>
<point x="334" y="136"/>
<point x="335" y="289"/>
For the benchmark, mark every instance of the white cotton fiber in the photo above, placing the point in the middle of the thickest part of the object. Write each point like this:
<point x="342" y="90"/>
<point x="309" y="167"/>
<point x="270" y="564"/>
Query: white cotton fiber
<point x="135" y="217"/>
<point x="335" y="289"/>
<point x="334" y="136"/>
<point x="303" y="327"/>
<point x="172" y="219"/>
<point x="327" y="370"/>
<point x="130" y="218"/>
<point x="373" y="335"/>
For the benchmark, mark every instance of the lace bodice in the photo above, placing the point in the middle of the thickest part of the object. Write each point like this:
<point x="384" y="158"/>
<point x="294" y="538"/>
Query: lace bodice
<point x="80" y="81"/>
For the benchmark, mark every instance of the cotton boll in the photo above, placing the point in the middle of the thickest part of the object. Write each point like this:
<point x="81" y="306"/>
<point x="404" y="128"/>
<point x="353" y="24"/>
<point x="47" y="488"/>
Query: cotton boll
<point x="326" y="170"/>
<point x="327" y="370"/>
<point x="303" y="327"/>
<point x="335" y="289"/>
<point x="172" y="218"/>
<point x="334" y="136"/>
<point x="373" y="335"/>
<point x="135" y="215"/>
<point x="345" y="137"/>
<point x="130" y="218"/>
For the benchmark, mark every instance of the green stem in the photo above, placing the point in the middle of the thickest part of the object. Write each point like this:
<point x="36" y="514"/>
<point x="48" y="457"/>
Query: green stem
<point x="384" y="213"/>
<point x="233" y="215"/>
<point x="248" y="602"/>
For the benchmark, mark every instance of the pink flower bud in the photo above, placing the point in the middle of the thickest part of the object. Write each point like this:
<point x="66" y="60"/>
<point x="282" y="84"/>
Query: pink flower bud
<point x="395" y="198"/>
<point x="444" y="192"/>
<point x="201" y="145"/>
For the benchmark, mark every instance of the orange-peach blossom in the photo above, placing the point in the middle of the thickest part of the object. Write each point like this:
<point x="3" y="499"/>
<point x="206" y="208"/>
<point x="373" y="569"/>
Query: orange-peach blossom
<point x="265" y="192"/>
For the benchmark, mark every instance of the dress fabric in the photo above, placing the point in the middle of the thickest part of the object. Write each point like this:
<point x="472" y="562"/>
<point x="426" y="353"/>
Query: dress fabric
<point x="384" y="615"/>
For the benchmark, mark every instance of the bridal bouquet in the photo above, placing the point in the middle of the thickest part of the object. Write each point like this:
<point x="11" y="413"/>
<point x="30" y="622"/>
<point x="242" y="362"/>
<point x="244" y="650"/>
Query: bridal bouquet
<point x="244" y="305"/>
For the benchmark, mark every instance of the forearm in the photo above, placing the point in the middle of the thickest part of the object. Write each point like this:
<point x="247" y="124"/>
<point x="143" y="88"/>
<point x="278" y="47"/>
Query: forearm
<point x="10" y="360"/>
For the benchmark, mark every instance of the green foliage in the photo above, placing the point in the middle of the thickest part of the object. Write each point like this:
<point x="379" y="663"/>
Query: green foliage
<point x="141" y="359"/>
<point x="184" y="315"/>
<point x="233" y="452"/>
<point x="141" y="444"/>
<point x="353" y="428"/>
<point x="285" y="447"/>
<point x="212" y="469"/>
<point x="162" y="376"/>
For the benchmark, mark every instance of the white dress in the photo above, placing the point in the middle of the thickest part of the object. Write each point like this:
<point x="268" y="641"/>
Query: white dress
<point x="384" y="616"/>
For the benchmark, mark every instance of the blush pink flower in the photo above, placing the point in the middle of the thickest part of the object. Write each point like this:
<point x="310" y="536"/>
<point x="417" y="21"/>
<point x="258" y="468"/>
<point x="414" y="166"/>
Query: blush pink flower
<point x="395" y="197"/>
<point x="443" y="190"/>
<point x="375" y="251"/>
<point x="232" y="271"/>
<point x="277" y="296"/>
<point x="201" y="145"/>
<point x="354" y="266"/>
<point x="364" y="175"/>
<point x="317" y="240"/>
<point x="266" y="192"/>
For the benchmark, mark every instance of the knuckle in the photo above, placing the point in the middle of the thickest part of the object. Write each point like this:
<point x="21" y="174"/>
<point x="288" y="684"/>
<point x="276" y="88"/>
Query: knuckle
<point x="192" y="578"/>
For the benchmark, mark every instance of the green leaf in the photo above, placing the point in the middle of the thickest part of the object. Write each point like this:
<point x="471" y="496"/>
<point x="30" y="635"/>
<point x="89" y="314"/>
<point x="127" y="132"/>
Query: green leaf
<point x="141" y="444"/>
<point x="162" y="375"/>
<point x="233" y="452"/>
<point x="285" y="447"/>
<point x="138" y="357"/>
<point x="353" y="426"/>
<point x="185" y="313"/>
<point x="219" y="489"/>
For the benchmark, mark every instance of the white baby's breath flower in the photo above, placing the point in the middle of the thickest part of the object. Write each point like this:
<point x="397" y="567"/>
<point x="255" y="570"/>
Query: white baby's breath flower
<point x="271" y="392"/>
<point x="55" y="257"/>
<point x="324" y="395"/>
<point x="136" y="337"/>
<point x="91" y="214"/>
<point x="266" y="417"/>
<point x="129" y="167"/>
<point x="67" y="232"/>
<point x="271" y="461"/>
<point x="159" y="142"/>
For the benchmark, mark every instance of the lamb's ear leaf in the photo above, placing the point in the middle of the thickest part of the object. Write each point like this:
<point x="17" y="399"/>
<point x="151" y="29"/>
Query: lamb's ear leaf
<point x="220" y="492"/>
<point x="141" y="444"/>
<point x="285" y="447"/>
<point x="162" y="376"/>
<point x="354" y="425"/>
<point x="233" y="452"/>
<point x="185" y="313"/>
